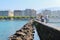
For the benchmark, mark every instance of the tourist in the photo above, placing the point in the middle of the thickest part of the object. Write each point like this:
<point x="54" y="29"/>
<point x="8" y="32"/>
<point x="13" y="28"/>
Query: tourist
<point x="42" y="18"/>
<point x="46" y="18"/>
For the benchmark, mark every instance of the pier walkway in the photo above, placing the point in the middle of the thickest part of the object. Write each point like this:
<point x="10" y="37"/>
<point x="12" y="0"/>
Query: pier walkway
<point x="47" y="31"/>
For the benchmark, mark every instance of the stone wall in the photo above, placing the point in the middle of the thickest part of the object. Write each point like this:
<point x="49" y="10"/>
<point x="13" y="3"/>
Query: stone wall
<point x="25" y="33"/>
<point x="46" y="33"/>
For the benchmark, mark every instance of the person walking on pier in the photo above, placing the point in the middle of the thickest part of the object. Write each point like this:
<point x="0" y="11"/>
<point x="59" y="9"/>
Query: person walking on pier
<point x="46" y="18"/>
<point x="42" y="18"/>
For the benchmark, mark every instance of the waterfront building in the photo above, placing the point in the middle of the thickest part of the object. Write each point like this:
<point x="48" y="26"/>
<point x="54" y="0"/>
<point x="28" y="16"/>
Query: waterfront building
<point x="18" y="13"/>
<point x="46" y="12"/>
<point x="4" y="13"/>
<point x="38" y="15"/>
<point x="55" y="14"/>
<point x="23" y="13"/>
<point x="33" y="12"/>
<point x="52" y="14"/>
<point x="27" y="12"/>
<point x="30" y="12"/>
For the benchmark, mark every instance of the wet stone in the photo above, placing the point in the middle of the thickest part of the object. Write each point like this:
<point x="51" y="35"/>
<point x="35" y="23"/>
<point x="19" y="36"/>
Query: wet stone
<point x="25" y="33"/>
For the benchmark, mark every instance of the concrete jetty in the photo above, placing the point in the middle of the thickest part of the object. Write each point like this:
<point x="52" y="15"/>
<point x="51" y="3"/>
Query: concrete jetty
<point x="25" y="33"/>
<point x="46" y="31"/>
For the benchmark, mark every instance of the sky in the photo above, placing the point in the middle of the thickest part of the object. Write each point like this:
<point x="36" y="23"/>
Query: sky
<point x="28" y="4"/>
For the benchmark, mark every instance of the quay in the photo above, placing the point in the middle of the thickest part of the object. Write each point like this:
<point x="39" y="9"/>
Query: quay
<point x="25" y="33"/>
<point x="47" y="31"/>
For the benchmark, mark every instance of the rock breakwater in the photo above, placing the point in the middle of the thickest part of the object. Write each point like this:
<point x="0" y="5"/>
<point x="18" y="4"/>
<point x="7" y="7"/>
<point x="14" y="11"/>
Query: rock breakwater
<point x="25" y="33"/>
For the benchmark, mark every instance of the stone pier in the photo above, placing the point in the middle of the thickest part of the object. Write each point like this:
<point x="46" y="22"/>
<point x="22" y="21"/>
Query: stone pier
<point x="47" y="31"/>
<point x="25" y="33"/>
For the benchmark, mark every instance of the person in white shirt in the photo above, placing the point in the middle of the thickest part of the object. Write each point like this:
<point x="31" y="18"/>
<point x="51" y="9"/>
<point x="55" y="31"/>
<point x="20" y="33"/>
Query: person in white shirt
<point x="46" y="18"/>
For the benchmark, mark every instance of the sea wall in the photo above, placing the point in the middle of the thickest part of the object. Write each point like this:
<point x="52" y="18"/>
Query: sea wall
<point x="25" y="33"/>
<point x="45" y="32"/>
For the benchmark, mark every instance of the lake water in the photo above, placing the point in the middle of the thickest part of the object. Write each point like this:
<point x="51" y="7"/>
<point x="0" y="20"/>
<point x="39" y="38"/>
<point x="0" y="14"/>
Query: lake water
<point x="55" y="21"/>
<point x="8" y="28"/>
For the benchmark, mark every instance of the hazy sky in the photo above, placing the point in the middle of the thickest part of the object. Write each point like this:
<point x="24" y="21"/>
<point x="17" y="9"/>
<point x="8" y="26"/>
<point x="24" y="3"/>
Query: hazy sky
<point x="30" y="4"/>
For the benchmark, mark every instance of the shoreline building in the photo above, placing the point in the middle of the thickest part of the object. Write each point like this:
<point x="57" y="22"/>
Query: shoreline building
<point x="4" y="13"/>
<point x="55" y="14"/>
<point x="46" y="12"/>
<point x="33" y="12"/>
<point x="30" y="12"/>
<point x="51" y="14"/>
<point x="18" y="13"/>
<point x="27" y="12"/>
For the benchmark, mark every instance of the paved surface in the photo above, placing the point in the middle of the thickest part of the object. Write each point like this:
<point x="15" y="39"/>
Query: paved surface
<point x="49" y="25"/>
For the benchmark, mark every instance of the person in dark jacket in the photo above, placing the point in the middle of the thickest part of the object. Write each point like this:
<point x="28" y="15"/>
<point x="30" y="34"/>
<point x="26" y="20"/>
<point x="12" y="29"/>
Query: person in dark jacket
<point x="42" y="18"/>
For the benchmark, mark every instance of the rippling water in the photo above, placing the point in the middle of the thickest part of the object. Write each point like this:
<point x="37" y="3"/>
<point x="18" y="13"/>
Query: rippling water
<point x="8" y="28"/>
<point x="55" y="21"/>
